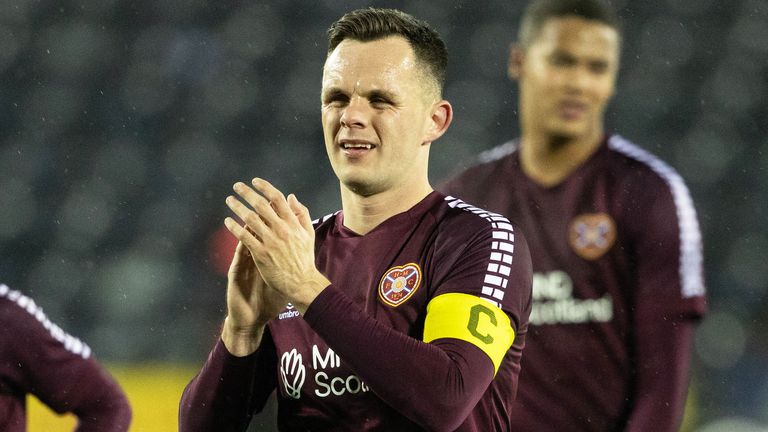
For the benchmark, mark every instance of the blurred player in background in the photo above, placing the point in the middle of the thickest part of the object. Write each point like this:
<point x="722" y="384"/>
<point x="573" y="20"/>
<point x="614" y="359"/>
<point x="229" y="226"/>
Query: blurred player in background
<point x="37" y="357"/>
<point x="408" y="309"/>
<point x="613" y="233"/>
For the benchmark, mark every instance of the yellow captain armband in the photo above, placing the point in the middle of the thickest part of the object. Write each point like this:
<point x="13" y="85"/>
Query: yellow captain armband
<point x="471" y="319"/>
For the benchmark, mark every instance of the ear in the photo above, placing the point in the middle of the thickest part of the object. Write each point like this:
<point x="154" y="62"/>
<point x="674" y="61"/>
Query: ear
<point x="516" y="58"/>
<point x="442" y="115"/>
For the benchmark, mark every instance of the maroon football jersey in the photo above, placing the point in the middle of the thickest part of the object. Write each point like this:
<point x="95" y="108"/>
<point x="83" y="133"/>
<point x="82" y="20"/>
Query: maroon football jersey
<point x="39" y="358"/>
<point x="355" y="360"/>
<point x="615" y="245"/>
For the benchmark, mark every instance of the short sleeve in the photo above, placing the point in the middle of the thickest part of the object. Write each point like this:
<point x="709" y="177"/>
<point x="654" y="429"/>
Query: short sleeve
<point x="668" y="250"/>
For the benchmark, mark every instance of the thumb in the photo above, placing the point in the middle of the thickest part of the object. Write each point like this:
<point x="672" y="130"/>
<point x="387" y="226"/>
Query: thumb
<point x="241" y="257"/>
<point x="301" y="212"/>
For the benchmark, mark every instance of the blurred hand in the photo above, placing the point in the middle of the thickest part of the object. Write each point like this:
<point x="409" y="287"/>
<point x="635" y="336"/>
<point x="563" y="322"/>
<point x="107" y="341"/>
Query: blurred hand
<point x="281" y="240"/>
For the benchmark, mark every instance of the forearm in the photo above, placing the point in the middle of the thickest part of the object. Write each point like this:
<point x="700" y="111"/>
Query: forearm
<point x="445" y="378"/>
<point x="662" y="376"/>
<point x="228" y="390"/>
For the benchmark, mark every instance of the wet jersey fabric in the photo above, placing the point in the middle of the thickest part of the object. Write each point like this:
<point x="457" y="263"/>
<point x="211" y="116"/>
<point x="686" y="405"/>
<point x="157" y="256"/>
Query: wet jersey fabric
<point x="37" y="357"/>
<point x="615" y="248"/>
<point x="443" y="272"/>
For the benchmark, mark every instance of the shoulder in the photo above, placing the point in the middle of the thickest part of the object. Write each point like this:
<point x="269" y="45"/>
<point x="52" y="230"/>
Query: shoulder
<point x="644" y="168"/>
<point x="459" y="212"/>
<point x="498" y="153"/>
<point x="20" y="315"/>
<point x="16" y="309"/>
<point x="464" y="222"/>
<point x="18" y="319"/>
<point x="646" y="181"/>
<point x="654" y="179"/>
<point x="492" y="159"/>
<point x="647" y="178"/>
<point x="477" y="243"/>
<point x="488" y="165"/>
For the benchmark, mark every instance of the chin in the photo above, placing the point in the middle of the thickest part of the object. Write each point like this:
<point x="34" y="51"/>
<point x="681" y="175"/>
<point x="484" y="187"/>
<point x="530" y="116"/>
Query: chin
<point x="569" y="131"/>
<point x="361" y="187"/>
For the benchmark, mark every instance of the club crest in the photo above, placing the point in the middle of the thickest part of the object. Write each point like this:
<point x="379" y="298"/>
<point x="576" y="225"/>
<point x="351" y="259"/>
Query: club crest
<point x="399" y="283"/>
<point x="591" y="235"/>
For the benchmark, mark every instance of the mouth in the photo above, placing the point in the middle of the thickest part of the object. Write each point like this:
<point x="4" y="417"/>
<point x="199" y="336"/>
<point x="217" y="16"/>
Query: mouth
<point x="356" y="145"/>
<point x="355" y="149"/>
<point x="572" y="110"/>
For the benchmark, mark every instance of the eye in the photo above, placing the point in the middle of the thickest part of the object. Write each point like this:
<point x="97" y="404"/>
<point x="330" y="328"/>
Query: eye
<point x="561" y="60"/>
<point x="335" y="99"/>
<point x="598" y="67"/>
<point x="378" y="101"/>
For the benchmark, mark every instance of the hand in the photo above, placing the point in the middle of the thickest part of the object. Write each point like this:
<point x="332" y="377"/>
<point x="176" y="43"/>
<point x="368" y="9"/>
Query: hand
<point x="250" y="304"/>
<point x="281" y="239"/>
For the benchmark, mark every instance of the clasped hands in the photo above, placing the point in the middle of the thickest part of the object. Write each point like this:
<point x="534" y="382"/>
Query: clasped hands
<point x="275" y="258"/>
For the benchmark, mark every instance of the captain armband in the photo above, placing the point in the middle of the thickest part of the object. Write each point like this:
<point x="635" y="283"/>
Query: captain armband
<point x="471" y="319"/>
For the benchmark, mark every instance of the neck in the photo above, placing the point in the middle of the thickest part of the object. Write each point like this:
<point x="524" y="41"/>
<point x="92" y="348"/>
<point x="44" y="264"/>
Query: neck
<point x="364" y="213"/>
<point x="548" y="160"/>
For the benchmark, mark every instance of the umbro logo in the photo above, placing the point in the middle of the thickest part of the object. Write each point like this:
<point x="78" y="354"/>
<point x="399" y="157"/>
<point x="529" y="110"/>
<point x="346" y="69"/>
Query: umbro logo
<point x="290" y="312"/>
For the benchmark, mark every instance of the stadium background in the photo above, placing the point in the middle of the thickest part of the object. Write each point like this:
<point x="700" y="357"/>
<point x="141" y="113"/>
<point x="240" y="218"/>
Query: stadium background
<point x="124" y="124"/>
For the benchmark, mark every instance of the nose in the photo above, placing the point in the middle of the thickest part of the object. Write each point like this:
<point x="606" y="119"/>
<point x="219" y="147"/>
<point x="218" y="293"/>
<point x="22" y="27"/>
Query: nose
<point x="578" y="80"/>
<point x="354" y="115"/>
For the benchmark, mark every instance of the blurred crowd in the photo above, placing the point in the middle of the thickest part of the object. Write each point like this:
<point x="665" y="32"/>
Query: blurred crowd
<point x="125" y="123"/>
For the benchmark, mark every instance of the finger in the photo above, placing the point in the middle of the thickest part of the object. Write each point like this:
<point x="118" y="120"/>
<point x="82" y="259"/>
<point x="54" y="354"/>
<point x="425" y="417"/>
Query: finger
<point x="241" y="251"/>
<point x="251" y="218"/>
<point x="243" y="259"/>
<point x="250" y="230"/>
<point x="241" y="233"/>
<point x="275" y="197"/>
<point x="259" y="204"/>
<point x="301" y="212"/>
<point x="241" y="256"/>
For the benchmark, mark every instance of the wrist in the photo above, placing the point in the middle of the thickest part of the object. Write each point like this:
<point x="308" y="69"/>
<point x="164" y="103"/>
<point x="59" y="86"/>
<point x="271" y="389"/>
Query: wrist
<point x="241" y="341"/>
<point x="312" y="287"/>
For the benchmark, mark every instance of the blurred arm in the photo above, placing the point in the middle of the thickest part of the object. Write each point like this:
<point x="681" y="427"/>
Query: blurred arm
<point x="60" y="371"/>
<point x="669" y="302"/>
<point x="664" y="352"/>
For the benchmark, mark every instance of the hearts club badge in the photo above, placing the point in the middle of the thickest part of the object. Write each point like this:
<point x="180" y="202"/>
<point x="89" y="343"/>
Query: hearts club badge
<point x="399" y="283"/>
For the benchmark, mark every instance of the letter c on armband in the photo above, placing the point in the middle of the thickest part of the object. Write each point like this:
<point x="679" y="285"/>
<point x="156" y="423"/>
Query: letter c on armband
<point x="474" y="322"/>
